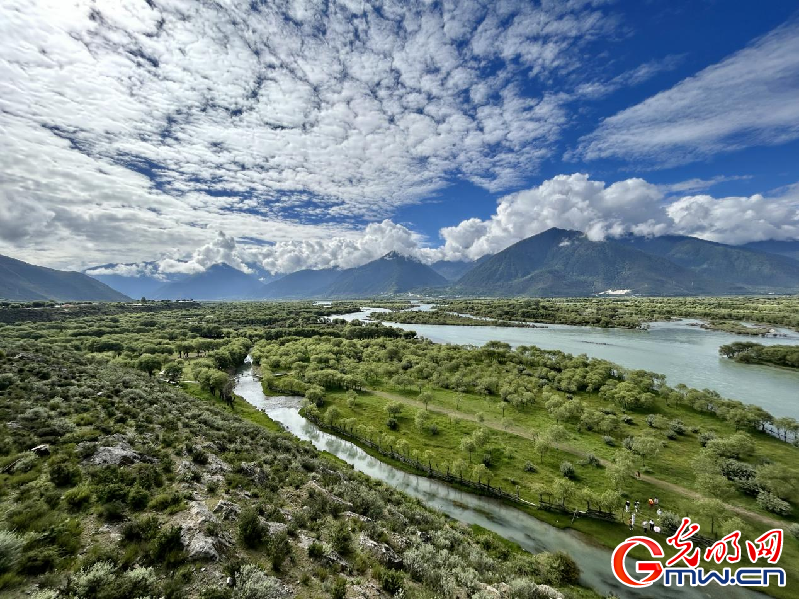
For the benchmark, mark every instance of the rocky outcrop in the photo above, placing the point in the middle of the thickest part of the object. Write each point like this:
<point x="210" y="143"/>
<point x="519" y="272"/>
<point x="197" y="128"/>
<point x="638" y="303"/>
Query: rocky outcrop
<point x="381" y="552"/>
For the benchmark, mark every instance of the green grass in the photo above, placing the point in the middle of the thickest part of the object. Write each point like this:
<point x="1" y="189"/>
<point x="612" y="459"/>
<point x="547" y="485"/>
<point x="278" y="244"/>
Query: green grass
<point x="241" y="407"/>
<point x="511" y="451"/>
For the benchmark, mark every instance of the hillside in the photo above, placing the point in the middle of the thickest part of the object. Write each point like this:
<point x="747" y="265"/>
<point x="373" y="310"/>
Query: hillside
<point x="218" y="282"/>
<point x="301" y="284"/>
<point x="132" y="286"/>
<point x="562" y="263"/>
<point x="452" y="270"/>
<point x="21" y="281"/>
<point x="757" y="270"/>
<point x="393" y="273"/>
<point x="781" y="248"/>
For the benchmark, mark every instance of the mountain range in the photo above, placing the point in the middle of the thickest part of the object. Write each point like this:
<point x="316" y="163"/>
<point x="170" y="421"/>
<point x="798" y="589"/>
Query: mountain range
<point x="566" y="263"/>
<point x="20" y="281"/>
<point x="556" y="262"/>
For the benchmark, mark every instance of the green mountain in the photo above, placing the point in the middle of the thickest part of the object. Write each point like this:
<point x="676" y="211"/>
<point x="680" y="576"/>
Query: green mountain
<point x="393" y="273"/>
<point x="21" y="281"/>
<point x="566" y="263"/>
<point x="782" y="248"/>
<point x="756" y="270"/>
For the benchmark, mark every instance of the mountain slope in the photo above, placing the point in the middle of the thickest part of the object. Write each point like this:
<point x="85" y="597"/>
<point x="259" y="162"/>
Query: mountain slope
<point x="132" y="286"/>
<point x="782" y="248"/>
<point x="301" y="284"/>
<point x="756" y="270"/>
<point x="24" y="282"/>
<point x="218" y="282"/>
<point x="561" y="263"/>
<point x="393" y="273"/>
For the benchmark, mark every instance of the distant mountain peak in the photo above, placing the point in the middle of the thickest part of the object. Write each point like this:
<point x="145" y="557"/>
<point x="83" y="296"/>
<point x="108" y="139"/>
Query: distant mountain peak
<point x="395" y="255"/>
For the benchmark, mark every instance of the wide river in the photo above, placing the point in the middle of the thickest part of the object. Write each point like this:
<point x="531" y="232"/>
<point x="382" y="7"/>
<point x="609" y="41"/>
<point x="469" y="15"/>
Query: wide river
<point x="681" y="350"/>
<point x="509" y="522"/>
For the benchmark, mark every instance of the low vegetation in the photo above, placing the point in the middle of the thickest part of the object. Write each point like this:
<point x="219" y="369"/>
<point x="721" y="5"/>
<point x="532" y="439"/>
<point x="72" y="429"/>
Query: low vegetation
<point x="126" y="471"/>
<point x="786" y="356"/>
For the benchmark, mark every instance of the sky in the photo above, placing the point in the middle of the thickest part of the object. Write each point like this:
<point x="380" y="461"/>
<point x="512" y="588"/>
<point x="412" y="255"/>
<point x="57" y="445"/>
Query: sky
<point x="161" y="136"/>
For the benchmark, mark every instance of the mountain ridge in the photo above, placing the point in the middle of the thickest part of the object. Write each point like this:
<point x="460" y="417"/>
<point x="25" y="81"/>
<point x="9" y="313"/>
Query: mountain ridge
<point x="22" y="281"/>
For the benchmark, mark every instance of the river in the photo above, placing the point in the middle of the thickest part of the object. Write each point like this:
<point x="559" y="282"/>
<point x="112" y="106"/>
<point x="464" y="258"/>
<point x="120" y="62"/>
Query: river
<point x="509" y="522"/>
<point x="683" y="351"/>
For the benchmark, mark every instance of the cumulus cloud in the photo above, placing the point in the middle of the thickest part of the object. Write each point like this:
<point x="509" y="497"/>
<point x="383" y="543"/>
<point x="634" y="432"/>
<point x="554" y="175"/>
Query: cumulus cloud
<point x="747" y="99"/>
<point x="376" y="240"/>
<point x="737" y="219"/>
<point x="575" y="202"/>
<point x="566" y="201"/>
<point x="163" y="122"/>
<point x="629" y="206"/>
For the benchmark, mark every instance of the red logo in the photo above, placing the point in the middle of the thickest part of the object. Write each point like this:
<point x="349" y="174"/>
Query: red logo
<point x="767" y="546"/>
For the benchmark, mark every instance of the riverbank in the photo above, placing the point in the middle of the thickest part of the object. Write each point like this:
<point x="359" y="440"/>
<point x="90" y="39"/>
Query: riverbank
<point x="511" y="523"/>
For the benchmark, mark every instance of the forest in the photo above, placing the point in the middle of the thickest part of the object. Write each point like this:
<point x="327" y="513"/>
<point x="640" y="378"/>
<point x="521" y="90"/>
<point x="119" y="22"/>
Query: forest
<point x="124" y="474"/>
<point x="786" y="356"/>
<point x="724" y="313"/>
<point x="150" y="477"/>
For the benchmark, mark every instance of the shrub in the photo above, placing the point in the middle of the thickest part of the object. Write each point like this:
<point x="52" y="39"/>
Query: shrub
<point x="279" y="549"/>
<point x="342" y="538"/>
<point x="10" y="550"/>
<point x="529" y="467"/>
<point x="793" y="530"/>
<point x="392" y="423"/>
<point x="113" y="512"/>
<point x="772" y="503"/>
<point x="316" y="550"/>
<point x="78" y="497"/>
<point x="609" y="441"/>
<point x="167" y="548"/>
<point x="558" y="569"/>
<point x="339" y="588"/>
<point x="254" y="583"/>
<point x="251" y="532"/>
<point x="567" y="469"/>
<point x="705" y="438"/>
<point x="670" y="521"/>
<point x="592" y="460"/>
<point x="138" y="498"/>
<point x="63" y="473"/>
<point x="391" y="581"/>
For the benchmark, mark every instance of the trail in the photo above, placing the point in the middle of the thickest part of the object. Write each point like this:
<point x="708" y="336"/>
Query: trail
<point x="527" y="434"/>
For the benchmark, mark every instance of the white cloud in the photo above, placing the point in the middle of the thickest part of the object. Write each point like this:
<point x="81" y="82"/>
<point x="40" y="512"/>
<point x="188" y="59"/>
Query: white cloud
<point x="160" y="123"/>
<point x="737" y="219"/>
<point x="629" y="206"/>
<point x="748" y="99"/>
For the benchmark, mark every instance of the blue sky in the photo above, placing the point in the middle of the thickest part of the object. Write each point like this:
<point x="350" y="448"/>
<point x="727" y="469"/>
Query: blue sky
<point x="309" y="134"/>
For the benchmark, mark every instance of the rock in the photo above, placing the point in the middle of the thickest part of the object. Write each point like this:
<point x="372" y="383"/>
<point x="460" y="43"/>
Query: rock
<point x="254" y="472"/>
<point x="366" y="590"/>
<point x="353" y="515"/>
<point x="121" y="454"/>
<point x="276" y="527"/>
<point x="227" y="510"/>
<point x="381" y="552"/>
<point x="334" y="498"/>
<point x="85" y="449"/>
<point x="216" y="466"/>
<point x="196" y="542"/>
<point x="41" y="450"/>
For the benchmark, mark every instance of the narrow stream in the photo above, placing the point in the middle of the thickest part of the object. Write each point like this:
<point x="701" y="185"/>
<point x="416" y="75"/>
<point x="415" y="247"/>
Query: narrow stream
<point x="510" y="523"/>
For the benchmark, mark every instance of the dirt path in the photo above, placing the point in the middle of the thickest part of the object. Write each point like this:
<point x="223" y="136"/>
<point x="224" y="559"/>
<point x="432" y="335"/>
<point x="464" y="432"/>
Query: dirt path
<point x="527" y="434"/>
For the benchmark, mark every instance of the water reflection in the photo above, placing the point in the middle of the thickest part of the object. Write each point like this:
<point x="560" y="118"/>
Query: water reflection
<point x="513" y="524"/>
